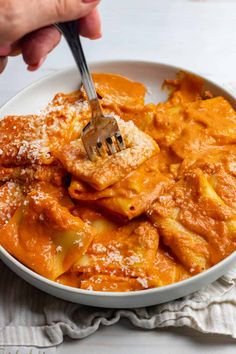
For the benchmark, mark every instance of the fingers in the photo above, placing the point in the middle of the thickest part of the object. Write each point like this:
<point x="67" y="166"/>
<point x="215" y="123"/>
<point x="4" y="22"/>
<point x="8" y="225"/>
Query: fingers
<point x="6" y="50"/>
<point x="90" y="25"/>
<point x="17" y="18"/>
<point x="34" y="67"/>
<point x="3" y="63"/>
<point x="36" y="45"/>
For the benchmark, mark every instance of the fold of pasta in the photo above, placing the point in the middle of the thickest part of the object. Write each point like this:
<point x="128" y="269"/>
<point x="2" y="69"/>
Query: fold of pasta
<point x="117" y="91"/>
<point x="211" y="209"/>
<point x="100" y="222"/>
<point x="44" y="235"/>
<point x="219" y="118"/>
<point x="195" y="215"/>
<point x="207" y="123"/>
<point x="54" y="174"/>
<point x="168" y="120"/>
<point x="32" y="139"/>
<point x="231" y="227"/>
<point x="69" y="279"/>
<point x="168" y="123"/>
<point x="191" y="249"/>
<point x="185" y="88"/>
<point x="219" y="165"/>
<point x="191" y="119"/>
<point x="166" y="270"/>
<point x="109" y="169"/>
<point x="11" y="197"/>
<point x="127" y="251"/>
<point x="65" y="117"/>
<point x="62" y="99"/>
<point x="129" y="197"/>
<point x="111" y="283"/>
<point x="23" y="140"/>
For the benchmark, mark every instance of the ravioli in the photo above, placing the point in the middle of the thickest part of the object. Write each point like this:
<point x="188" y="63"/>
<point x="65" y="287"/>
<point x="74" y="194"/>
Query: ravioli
<point x="44" y="235"/>
<point x="156" y="213"/>
<point x="109" y="169"/>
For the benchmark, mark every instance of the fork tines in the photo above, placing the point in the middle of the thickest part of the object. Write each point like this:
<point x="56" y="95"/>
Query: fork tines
<point x="103" y="138"/>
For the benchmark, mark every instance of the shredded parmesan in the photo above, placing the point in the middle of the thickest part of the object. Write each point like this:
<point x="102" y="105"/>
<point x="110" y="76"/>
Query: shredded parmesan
<point x="59" y="248"/>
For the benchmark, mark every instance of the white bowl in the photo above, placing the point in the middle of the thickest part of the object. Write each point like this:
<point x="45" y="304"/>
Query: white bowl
<point x="36" y="96"/>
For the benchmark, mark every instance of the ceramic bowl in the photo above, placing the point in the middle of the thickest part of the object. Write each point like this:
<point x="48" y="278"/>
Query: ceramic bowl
<point x="35" y="97"/>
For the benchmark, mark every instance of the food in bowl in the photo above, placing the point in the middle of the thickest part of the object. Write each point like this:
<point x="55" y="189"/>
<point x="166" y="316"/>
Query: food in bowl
<point x="159" y="212"/>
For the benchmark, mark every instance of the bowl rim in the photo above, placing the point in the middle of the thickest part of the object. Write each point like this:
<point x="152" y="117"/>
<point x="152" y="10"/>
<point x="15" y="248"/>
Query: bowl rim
<point x="227" y="89"/>
<point x="132" y="293"/>
<point x="4" y="253"/>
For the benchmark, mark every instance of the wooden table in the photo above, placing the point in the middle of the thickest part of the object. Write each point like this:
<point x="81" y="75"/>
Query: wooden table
<point x="194" y="34"/>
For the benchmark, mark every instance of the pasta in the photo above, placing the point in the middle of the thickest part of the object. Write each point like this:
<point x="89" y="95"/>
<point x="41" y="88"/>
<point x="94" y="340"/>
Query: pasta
<point x="158" y="212"/>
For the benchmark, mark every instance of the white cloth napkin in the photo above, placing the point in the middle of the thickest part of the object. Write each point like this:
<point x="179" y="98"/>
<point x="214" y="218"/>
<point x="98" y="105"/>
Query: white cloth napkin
<point x="31" y="318"/>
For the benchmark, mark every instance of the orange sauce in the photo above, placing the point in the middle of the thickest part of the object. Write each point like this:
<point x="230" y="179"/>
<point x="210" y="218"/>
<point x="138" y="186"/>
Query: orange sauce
<point x="157" y="213"/>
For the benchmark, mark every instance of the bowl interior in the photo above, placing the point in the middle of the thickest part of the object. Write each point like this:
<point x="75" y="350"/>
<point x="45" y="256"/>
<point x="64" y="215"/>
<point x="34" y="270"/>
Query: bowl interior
<point x="37" y="95"/>
<point x="34" y="98"/>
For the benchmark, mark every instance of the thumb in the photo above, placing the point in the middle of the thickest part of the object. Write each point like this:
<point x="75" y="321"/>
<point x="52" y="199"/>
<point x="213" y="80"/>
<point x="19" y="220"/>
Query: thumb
<point x="26" y="16"/>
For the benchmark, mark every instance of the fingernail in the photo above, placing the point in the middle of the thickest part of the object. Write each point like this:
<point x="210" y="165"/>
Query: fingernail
<point x="34" y="67"/>
<point x="97" y="36"/>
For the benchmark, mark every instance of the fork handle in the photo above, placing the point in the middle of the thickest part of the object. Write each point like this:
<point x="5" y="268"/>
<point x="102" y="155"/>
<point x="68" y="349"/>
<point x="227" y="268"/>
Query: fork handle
<point x="70" y="32"/>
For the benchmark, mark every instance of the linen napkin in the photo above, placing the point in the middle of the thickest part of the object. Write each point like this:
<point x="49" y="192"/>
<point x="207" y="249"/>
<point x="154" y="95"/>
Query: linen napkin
<point x="31" y="318"/>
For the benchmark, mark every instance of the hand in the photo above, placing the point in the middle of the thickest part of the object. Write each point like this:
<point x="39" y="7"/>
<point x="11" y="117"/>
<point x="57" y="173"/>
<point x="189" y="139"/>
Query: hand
<point x="25" y="26"/>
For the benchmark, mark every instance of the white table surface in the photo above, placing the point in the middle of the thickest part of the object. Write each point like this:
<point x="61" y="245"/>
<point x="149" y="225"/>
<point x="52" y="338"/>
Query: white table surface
<point x="195" y="34"/>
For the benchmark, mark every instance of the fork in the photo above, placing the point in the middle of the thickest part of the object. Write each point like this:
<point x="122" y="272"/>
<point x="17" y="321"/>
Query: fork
<point x="102" y="133"/>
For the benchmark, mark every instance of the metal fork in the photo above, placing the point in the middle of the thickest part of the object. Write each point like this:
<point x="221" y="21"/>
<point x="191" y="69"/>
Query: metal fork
<point x="102" y="133"/>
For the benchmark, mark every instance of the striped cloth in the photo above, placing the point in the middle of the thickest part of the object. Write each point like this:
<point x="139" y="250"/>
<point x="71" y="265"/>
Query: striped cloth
<point x="31" y="318"/>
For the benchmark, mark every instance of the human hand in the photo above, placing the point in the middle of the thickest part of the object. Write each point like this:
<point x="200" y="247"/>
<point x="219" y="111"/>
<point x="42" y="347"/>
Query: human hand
<point x="25" y="27"/>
